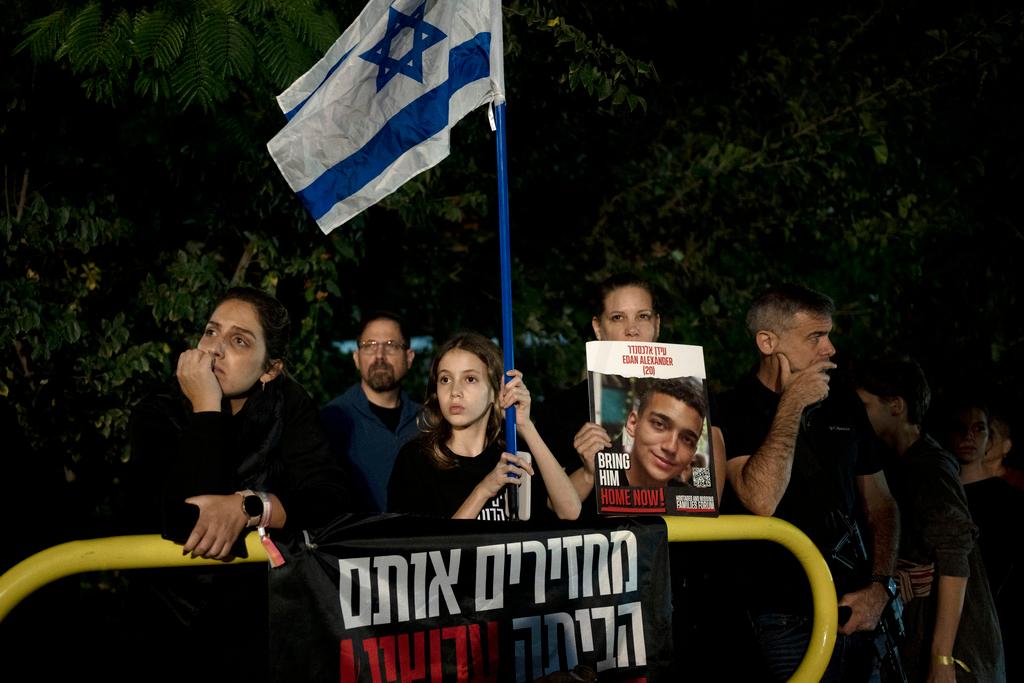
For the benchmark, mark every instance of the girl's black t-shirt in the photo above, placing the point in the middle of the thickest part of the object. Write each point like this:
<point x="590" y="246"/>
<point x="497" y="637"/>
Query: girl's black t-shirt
<point x="418" y="486"/>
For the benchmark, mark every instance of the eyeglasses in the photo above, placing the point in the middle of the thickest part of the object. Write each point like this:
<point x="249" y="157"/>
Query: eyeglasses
<point x="391" y="347"/>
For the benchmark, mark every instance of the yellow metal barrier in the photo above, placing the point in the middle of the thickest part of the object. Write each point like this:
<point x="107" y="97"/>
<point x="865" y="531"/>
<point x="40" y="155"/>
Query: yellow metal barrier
<point x="98" y="554"/>
<point x="151" y="551"/>
<point x="749" y="528"/>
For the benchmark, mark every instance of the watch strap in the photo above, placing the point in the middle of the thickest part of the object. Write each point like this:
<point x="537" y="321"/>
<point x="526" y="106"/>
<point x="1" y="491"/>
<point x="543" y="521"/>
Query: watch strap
<point x="268" y="508"/>
<point x="888" y="583"/>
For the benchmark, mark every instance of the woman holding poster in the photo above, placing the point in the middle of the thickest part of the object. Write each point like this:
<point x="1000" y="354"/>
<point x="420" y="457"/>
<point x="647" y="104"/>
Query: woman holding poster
<point x="625" y="310"/>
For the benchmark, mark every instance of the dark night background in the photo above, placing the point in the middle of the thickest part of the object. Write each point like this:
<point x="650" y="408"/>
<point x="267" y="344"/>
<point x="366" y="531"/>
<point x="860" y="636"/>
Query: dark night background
<point x="871" y="150"/>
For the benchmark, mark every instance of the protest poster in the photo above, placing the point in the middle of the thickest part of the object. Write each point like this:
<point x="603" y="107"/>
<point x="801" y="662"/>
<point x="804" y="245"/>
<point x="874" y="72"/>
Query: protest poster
<point x="652" y="400"/>
<point x="404" y="598"/>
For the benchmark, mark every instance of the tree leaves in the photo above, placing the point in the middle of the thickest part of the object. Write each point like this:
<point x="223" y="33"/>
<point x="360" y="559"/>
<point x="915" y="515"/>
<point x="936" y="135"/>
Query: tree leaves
<point x="159" y="37"/>
<point x="188" y="51"/>
<point x="44" y="36"/>
<point x="604" y="71"/>
<point x="850" y="150"/>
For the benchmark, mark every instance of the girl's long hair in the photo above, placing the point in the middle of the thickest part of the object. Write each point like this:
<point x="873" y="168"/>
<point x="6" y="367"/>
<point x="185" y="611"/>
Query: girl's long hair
<point x="437" y="430"/>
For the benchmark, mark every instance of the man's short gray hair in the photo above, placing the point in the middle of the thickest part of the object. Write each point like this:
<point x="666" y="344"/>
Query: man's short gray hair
<point x="774" y="309"/>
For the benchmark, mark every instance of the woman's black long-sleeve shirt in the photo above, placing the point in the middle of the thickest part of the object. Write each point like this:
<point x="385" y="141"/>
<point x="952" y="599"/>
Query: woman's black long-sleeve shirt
<point x="274" y="444"/>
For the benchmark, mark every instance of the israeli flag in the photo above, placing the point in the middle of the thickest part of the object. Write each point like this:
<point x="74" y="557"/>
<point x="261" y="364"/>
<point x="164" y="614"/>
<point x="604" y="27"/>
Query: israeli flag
<point x="377" y="109"/>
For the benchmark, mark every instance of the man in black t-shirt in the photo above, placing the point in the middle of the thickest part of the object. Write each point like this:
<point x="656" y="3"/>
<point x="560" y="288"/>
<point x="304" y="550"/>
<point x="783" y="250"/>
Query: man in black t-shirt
<point x="801" y="449"/>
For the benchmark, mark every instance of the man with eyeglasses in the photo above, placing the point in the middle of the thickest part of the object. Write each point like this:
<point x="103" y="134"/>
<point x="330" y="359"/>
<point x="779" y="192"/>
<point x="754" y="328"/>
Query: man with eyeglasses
<point x="373" y="419"/>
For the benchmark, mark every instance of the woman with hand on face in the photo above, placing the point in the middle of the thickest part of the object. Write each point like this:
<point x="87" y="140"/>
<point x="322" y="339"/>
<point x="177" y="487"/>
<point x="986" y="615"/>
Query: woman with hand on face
<point x="456" y="467"/>
<point x="240" y="446"/>
<point x="235" y="445"/>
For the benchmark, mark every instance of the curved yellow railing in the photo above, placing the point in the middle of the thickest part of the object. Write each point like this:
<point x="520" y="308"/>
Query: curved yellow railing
<point x="147" y="552"/>
<point x="98" y="554"/>
<point x="750" y="528"/>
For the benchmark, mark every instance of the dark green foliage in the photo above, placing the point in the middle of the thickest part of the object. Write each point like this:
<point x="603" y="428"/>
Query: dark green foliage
<point x="194" y="52"/>
<point x="873" y="154"/>
<point x="159" y="38"/>
<point x="73" y="352"/>
<point x="590" y="62"/>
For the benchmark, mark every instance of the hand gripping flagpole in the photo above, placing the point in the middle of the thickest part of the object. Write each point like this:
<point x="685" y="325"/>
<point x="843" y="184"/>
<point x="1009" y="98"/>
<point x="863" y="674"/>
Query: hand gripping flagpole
<point x="507" y="337"/>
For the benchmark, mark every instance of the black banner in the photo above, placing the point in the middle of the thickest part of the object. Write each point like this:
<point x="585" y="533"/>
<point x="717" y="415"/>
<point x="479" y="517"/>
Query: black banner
<point x="402" y="598"/>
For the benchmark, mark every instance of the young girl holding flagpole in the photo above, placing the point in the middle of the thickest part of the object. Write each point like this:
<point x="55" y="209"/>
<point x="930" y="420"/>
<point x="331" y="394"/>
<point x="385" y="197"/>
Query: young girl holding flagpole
<point x="456" y="467"/>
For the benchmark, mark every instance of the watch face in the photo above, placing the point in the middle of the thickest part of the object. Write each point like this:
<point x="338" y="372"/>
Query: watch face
<point x="253" y="506"/>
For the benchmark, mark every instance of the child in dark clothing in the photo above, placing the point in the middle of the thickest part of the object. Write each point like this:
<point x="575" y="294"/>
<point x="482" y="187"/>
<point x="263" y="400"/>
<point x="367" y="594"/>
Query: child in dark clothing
<point x="456" y="467"/>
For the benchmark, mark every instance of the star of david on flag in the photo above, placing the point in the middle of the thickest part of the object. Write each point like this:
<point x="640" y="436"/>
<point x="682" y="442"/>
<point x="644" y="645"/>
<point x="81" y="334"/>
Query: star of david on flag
<point x="411" y="63"/>
<point x="378" y="107"/>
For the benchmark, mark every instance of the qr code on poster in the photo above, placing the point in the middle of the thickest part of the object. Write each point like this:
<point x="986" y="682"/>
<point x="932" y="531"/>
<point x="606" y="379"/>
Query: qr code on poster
<point x="702" y="477"/>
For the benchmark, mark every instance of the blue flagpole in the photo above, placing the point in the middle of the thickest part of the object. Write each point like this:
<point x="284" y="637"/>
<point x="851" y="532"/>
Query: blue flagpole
<point x="505" y="249"/>
<point x="507" y="338"/>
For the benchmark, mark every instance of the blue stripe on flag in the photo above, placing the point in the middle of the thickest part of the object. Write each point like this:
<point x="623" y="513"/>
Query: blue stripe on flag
<point x="295" y="110"/>
<point x="421" y="119"/>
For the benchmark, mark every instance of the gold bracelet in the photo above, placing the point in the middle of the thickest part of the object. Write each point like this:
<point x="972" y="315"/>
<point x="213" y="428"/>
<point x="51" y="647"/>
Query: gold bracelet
<point x="946" y="660"/>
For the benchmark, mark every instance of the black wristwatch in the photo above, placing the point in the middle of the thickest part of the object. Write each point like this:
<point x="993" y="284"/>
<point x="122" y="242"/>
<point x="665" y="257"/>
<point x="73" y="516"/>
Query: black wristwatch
<point x="888" y="583"/>
<point x="252" y="505"/>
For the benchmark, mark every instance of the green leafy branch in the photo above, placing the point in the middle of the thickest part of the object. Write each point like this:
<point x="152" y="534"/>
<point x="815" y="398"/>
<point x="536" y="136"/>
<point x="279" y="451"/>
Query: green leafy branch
<point x="604" y="71"/>
<point x="189" y="52"/>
